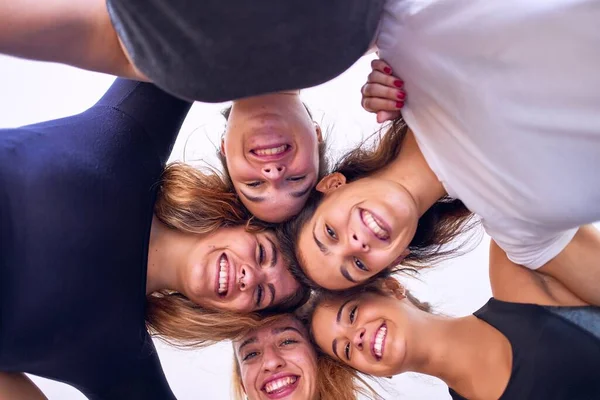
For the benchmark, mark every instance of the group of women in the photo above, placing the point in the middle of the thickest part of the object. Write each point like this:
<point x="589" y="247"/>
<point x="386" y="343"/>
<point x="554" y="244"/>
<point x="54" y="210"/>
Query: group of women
<point x="104" y="245"/>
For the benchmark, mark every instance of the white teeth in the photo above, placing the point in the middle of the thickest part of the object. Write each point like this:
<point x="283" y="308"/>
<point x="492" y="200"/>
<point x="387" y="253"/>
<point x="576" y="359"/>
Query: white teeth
<point x="379" y="338"/>
<point x="374" y="225"/>
<point x="223" y="274"/>
<point x="271" y="151"/>
<point x="280" y="383"/>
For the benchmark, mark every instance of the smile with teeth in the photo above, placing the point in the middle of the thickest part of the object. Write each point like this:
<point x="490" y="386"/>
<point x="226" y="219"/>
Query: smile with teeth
<point x="374" y="225"/>
<point x="379" y="340"/>
<point x="223" y="275"/>
<point x="271" y="151"/>
<point x="280" y="384"/>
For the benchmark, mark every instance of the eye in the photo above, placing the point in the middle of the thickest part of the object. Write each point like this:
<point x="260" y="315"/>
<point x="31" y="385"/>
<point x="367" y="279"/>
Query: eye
<point x="330" y="232"/>
<point x="288" y="342"/>
<point x="353" y="314"/>
<point x="359" y="264"/>
<point x="254" y="184"/>
<point x="296" y="178"/>
<point x="261" y="254"/>
<point x="250" y="356"/>
<point x="347" y="351"/>
<point x="259" y="295"/>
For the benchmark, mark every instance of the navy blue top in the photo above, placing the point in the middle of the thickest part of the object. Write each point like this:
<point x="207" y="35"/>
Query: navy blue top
<point x="556" y="350"/>
<point x="76" y="206"/>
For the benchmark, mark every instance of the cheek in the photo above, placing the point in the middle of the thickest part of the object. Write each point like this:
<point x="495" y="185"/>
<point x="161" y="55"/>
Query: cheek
<point x="249" y="374"/>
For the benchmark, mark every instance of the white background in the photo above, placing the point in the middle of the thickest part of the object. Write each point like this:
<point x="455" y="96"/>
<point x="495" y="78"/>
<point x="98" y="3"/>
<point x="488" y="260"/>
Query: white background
<point x="33" y="92"/>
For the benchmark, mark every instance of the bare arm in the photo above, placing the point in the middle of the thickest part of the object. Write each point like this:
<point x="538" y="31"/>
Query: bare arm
<point x="19" y="387"/>
<point x="578" y="265"/>
<point x="514" y="283"/>
<point x="74" y="32"/>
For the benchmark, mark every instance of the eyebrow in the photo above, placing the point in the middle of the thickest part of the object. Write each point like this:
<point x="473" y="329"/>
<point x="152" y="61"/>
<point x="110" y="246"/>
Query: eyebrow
<point x="337" y="319"/>
<point x="252" y="198"/>
<point x="285" y="329"/>
<point x="346" y="274"/>
<point x="302" y="192"/>
<point x="273" y="252"/>
<point x="321" y="246"/>
<point x="246" y="342"/>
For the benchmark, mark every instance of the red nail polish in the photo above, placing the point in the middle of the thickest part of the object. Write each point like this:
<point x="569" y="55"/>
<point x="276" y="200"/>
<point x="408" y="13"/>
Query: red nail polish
<point x="398" y="83"/>
<point x="401" y="95"/>
<point x="387" y="70"/>
<point x="399" y="104"/>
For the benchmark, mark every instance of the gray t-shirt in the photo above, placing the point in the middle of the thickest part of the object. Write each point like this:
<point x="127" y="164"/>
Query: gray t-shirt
<point x="217" y="50"/>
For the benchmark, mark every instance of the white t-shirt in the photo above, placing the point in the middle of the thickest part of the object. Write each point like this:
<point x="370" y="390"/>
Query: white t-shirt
<point x="504" y="101"/>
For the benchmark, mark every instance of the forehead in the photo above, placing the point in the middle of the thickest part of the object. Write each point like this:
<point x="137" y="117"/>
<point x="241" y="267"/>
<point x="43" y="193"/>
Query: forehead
<point x="270" y="331"/>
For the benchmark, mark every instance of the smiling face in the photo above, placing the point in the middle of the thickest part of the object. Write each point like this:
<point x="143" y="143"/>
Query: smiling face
<point x="277" y="361"/>
<point x="358" y="230"/>
<point x="235" y="270"/>
<point x="271" y="150"/>
<point x="367" y="332"/>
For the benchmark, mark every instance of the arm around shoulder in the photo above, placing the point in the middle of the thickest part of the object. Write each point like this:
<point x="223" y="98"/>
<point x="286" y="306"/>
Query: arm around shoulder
<point x="77" y="33"/>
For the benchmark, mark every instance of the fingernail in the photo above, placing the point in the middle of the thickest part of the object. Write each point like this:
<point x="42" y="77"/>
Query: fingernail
<point x="399" y="104"/>
<point x="387" y="70"/>
<point x="401" y="95"/>
<point x="398" y="83"/>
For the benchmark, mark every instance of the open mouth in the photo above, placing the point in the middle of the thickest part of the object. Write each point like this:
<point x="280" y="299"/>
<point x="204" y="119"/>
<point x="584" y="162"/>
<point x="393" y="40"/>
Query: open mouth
<point x="223" y="274"/>
<point x="379" y="342"/>
<point x="375" y="225"/>
<point x="281" y="386"/>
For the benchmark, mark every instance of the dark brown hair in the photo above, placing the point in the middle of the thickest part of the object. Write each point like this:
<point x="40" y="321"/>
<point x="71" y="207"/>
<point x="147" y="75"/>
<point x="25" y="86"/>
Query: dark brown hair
<point x="441" y="224"/>
<point x="195" y="202"/>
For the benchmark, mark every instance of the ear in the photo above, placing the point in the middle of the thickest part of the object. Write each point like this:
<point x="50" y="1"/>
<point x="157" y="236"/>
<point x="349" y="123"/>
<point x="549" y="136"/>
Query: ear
<point x="331" y="182"/>
<point x="223" y="146"/>
<point x="319" y="132"/>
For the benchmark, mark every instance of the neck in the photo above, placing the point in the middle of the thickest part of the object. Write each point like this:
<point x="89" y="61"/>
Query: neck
<point x="165" y="261"/>
<point x="270" y="100"/>
<point x="411" y="171"/>
<point x="463" y="352"/>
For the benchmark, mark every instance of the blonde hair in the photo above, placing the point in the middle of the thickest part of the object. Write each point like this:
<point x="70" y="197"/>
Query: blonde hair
<point x="192" y="201"/>
<point x="335" y="381"/>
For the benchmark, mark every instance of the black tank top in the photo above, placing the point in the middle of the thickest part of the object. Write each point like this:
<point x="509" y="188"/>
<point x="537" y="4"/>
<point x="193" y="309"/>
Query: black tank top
<point x="76" y="205"/>
<point x="556" y="350"/>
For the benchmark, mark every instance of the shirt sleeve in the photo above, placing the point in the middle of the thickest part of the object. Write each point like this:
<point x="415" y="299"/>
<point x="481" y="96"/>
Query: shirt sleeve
<point x="532" y="250"/>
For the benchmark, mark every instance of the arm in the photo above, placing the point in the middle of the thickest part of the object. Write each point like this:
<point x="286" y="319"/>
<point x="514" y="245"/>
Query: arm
<point x="514" y="283"/>
<point x="74" y="32"/>
<point x="578" y="265"/>
<point x="19" y="387"/>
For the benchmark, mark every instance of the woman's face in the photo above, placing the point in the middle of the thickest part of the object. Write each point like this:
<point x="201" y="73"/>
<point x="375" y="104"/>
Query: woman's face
<point x="235" y="270"/>
<point x="358" y="230"/>
<point x="271" y="149"/>
<point x="277" y="361"/>
<point x="367" y="332"/>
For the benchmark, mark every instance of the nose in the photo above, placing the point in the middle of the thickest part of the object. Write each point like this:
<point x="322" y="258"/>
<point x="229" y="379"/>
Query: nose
<point x="273" y="172"/>
<point x="249" y="278"/>
<point x="358" y="338"/>
<point x="272" y="360"/>
<point x="358" y="243"/>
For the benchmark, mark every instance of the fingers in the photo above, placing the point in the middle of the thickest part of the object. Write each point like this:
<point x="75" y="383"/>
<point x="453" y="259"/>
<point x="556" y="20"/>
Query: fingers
<point x="383" y="116"/>
<point x="383" y="79"/>
<point x="382" y="91"/>
<point x="381" y="66"/>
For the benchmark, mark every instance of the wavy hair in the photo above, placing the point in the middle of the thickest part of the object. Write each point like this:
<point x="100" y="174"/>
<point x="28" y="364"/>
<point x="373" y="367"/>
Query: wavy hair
<point x="195" y="202"/>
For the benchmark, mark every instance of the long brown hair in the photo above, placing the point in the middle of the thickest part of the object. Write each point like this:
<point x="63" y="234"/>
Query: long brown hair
<point x="335" y="380"/>
<point x="192" y="201"/>
<point x="438" y="227"/>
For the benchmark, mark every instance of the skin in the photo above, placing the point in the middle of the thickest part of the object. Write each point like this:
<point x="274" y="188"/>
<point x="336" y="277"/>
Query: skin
<point x="275" y="350"/>
<point x="347" y="251"/>
<point x="273" y="187"/>
<point x="189" y="264"/>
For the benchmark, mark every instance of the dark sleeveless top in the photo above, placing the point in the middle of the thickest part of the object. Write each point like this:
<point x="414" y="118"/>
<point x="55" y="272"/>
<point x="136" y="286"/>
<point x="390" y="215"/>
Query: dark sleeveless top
<point x="243" y="47"/>
<point x="556" y="350"/>
<point x="76" y="205"/>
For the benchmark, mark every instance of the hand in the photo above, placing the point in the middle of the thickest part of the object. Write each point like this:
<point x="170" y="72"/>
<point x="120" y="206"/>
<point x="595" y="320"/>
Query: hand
<point x="383" y="93"/>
